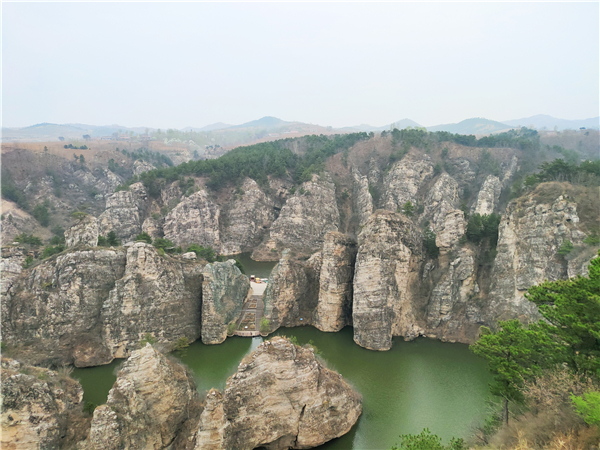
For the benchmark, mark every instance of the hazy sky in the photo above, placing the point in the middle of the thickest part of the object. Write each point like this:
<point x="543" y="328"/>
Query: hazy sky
<point x="174" y="65"/>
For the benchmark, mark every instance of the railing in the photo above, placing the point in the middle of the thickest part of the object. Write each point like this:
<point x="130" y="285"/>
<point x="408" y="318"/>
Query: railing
<point x="246" y="333"/>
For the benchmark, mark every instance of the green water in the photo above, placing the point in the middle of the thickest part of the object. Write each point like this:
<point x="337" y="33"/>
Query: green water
<point x="418" y="384"/>
<point x="258" y="268"/>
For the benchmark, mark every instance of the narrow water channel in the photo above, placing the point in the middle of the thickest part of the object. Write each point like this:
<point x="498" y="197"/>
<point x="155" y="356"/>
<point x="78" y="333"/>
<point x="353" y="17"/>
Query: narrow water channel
<point x="418" y="384"/>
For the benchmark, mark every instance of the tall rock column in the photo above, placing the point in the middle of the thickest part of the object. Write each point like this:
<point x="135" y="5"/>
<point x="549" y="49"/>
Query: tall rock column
<point x="334" y="310"/>
<point x="385" y="278"/>
<point x="224" y="290"/>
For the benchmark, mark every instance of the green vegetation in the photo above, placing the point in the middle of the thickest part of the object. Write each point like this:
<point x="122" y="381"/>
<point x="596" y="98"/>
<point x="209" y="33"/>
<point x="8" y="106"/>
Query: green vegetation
<point x="78" y="215"/>
<point x="28" y="262"/>
<point x="568" y="335"/>
<point x="147" y="339"/>
<point x="231" y="328"/>
<point x="408" y="209"/>
<point x="587" y="173"/>
<point x="255" y="161"/>
<point x="144" y="237"/>
<point x="431" y="248"/>
<point x="30" y="239"/>
<point x="89" y="407"/>
<point x="588" y="407"/>
<point x="74" y="147"/>
<point x="41" y="214"/>
<point x="110" y="240"/>
<point x="181" y="345"/>
<point x="240" y="266"/>
<point x="143" y="154"/>
<point x="52" y="250"/>
<point x="565" y="248"/>
<point x="10" y="191"/>
<point x="265" y="327"/>
<point x="206" y="253"/>
<point x="427" y="441"/>
<point x="483" y="227"/>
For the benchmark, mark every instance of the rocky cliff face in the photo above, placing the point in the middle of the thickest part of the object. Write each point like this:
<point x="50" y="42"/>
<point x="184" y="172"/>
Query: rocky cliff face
<point x="40" y="408"/>
<point x="124" y="213"/>
<point x="195" y="220"/>
<point x="247" y="218"/>
<point x="291" y="297"/>
<point x="307" y="217"/>
<point x="334" y="309"/>
<point x="385" y="278"/>
<point x="224" y="290"/>
<point x="404" y="180"/>
<point x="51" y="311"/>
<point x="155" y="295"/>
<point x="84" y="232"/>
<point x="11" y="266"/>
<point x="281" y="397"/>
<point x="362" y="197"/>
<point x="148" y="407"/>
<point x="87" y="307"/>
<point x="452" y="313"/>
<point x="531" y="232"/>
<point x="440" y="200"/>
<point x="489" y="194"/>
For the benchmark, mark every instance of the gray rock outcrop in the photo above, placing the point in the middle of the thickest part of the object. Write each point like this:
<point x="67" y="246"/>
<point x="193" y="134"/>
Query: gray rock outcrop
<point x="40" y="408"/>
<point x="451" y="312"/>
<point x="124" y="213"/>
<point x="84" y="232"/>
<point x="530" y="234"/>
<point x="334" y="308"/>
<point x="488" y="196"/>
<point x="156" y="295"/>
<point x="224" y="290"/>
<point x="291" y="297"/>
<point x="307" y="216"/>
<point x="440" y="200"/>
<point x="362" y="197"/>
<point x="387" y="269"/>
<point x="281" y="397"/>
<point x="150" y="405"/>
<point x="451" y="230"/>
<point x="88" y="307"/>
<point x="247" y="219"/>
<point x="404" y="180"/>
<point x="195" y="220"/>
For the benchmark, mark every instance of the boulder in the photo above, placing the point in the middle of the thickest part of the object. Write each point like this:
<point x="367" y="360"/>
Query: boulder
<point x="281" y="397"/>
<point x="150" y="405"/>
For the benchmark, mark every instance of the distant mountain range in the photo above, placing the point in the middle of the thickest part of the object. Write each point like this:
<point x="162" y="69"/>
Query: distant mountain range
<point x="479" y="126"/>
<point x="542" y="121"/>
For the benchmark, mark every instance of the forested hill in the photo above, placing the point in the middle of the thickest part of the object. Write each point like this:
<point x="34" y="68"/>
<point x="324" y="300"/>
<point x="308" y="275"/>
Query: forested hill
<point x="301" y="157"/>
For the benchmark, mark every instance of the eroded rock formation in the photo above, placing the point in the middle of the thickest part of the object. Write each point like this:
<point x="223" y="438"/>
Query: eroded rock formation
<point x="224" y="290"/>
<point x="281" y="397"/>
<point x="152" y="403"/>
<point x="334" y="308"/>
<point x="387" y="269"/>
<point x="404" y="179"/>
<point x="195" y="220"/>
<point x="41" y="409"/>
<point x="530" y="234"/>
<point x="124" y="213"/>
<point x="247" y="219"/>
<point x="84" y="232"/>
<point x="307" y="216"/>
<point x="291" y="297"/>
<point x="87" y="307"/>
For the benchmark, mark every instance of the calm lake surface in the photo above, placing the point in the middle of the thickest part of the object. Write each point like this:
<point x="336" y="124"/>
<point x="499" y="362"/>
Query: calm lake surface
<point x="257" y="268"/>
<point x="418" y="384"/>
